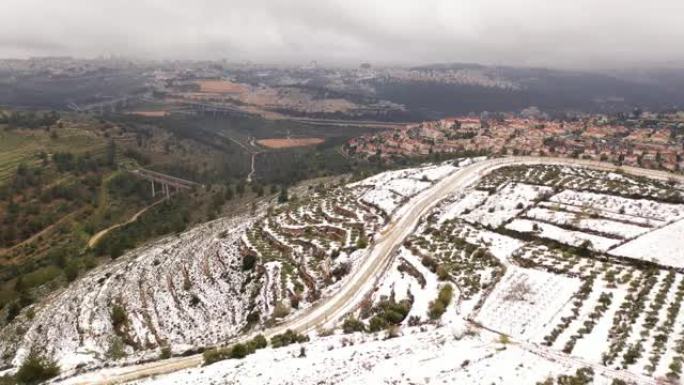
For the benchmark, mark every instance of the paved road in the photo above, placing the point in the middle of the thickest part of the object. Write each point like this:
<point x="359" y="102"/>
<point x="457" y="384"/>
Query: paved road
<point x="362" y="280"/>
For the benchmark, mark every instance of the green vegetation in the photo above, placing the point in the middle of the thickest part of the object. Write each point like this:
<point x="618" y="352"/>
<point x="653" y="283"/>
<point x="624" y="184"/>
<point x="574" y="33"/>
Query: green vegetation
<point x="352" y="325"/>
<point x="388" y="313"/>
<point x="237" y="351"/>
<point x="288" y="338"/>
<point x="583" y="376"/>
<point x="438" y="306"/>
<point x="36" y="369"/>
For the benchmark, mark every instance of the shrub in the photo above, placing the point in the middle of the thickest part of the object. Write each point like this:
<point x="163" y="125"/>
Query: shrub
<point x="239" y="351"/>
<point x="214" y="355"/>
<point x="165" y="352"/>
<point x="117" y="349"/>
<point x="248" y="262"/>
<point x="436" y="310"/>
<point x="287" y="338"/>
<point x="118" y="315"/>
<point x="442" y="273"/>
<point x="281" y="310"/>
<point x="377" y="323"/>
<point x="36" y="369"/>
<point x="438" y="306"/>
<point x="258" y="342"/>
<point x="352" y="325"/>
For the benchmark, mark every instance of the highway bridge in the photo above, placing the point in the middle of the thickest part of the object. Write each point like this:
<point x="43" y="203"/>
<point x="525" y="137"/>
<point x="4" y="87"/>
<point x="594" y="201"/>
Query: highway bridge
<point x="166" y="181"/>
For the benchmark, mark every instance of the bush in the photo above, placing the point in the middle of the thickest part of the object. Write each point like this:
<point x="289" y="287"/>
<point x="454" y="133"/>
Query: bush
<point x="258" y="342"/>
<point x="248" y="262"/>
<point x="352" y="325"/>
<point x="287" y="338"/>
<point x="36" y="369"/>
<point x="118" y="315"/>
<point x="239" y="351"/>
<point x="377" y="323"/>
<point x="165" y="352"/>
<point x="117" y="349"/>
<point x="214" y="355"/>
<point x="281" y="310"/>
<point x="438" y="306"/>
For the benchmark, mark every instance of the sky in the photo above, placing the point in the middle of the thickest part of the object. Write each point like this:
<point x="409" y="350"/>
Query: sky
<point x="552" y="33"/>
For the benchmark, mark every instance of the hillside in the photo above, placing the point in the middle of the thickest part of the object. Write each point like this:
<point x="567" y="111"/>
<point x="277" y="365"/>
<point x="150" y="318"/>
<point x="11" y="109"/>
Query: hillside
<point x="544" y="270"/>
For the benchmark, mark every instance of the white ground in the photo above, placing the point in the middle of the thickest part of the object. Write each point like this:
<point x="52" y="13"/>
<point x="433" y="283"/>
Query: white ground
<point x="526" y="303"/>
<point x="443" y="355"/>
<point x="573" y="238"/>
<point x="662" y="246"/>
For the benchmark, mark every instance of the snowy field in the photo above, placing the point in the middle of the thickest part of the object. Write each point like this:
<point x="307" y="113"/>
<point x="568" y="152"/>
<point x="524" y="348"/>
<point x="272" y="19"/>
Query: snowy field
<point x="526" y="303"/>
<point x="663" y="246"/>
<point x="569" y="237"/>
<point x="444" y="355"/>
<point x="505" y="203"/>
<point x="390" y="189"/>
<point x="640" y="208"/>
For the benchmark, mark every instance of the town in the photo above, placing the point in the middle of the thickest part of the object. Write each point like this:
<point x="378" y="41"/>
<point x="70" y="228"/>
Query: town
<point x="641" y="139"/>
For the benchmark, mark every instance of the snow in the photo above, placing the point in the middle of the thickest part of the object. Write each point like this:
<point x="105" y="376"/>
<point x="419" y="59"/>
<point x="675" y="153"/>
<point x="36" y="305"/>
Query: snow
<point x="457" y="205"/>
<point x="389" y="190"/>
<point x="441" y="355"/>
<point x="658" y="246"/>
<point x="569" y="237"/>
<point x="506" y="203"/>
<point x="526" y="302"/>
<point x="642" y="208"/>
<point x="582" y="222"/>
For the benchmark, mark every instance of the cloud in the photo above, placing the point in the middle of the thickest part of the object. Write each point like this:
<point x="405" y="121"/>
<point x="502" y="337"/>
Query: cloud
<point x="559" y="33"/>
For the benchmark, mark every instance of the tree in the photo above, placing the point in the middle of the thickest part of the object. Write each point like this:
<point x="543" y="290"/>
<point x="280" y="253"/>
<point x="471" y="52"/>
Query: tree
<point x="111" y="153"/>
<point x="238" y="351"/>
<point x="71" y="271"/>
<point x="230" y="193"/>
<point x="118" y="315"/>
<point x="36" y="369"/>
<point x="283" y="197"/>
<point x="352" y="325"/>
<point x="240" y="189"/>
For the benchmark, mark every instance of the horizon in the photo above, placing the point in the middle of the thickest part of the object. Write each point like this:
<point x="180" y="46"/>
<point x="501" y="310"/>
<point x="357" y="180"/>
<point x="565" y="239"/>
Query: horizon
<point x="582" y="35"/>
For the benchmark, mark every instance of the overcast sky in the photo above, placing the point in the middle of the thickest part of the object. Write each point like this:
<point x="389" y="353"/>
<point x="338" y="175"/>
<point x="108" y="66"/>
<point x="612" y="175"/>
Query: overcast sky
<point x="555" y="33"/>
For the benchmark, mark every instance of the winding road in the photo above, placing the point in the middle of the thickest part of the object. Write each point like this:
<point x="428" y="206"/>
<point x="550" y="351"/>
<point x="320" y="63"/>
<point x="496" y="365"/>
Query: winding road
<point x="359" y="283"/>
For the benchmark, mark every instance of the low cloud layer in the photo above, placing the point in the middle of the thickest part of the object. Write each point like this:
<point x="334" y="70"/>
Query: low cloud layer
<point x="556" y="33"/>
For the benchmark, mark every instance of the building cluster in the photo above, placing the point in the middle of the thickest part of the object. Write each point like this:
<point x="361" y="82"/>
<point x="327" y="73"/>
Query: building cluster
<point x="651" y="141"/>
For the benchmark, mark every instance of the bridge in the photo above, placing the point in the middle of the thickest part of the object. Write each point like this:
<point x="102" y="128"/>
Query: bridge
<point x="166" y="181"/>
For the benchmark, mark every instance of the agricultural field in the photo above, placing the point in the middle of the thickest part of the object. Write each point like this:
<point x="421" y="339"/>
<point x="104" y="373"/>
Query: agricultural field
<point x="524" y="274"/>
<point x="571" y="263"/>
<point x="211" y="283"/>
<point x="289" y="142"/>
<point x="19" y="146"/>
<point x="597" y="273"/>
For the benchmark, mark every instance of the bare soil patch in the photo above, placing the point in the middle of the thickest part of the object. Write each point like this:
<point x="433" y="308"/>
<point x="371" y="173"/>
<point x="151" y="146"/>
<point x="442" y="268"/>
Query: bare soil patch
<point x="150" y="114"/>
<point x="221" y="87"/>
<point x="287" y="143"/>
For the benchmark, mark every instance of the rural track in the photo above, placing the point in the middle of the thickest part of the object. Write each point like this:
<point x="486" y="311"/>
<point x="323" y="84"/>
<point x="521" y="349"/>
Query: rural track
<point x="93" y="241"/>
<point x="330" y="309"/>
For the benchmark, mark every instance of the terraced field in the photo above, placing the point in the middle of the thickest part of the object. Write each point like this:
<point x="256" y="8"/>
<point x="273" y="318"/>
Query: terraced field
<point x="24" y="146"/>
<point x="553" y="263"/>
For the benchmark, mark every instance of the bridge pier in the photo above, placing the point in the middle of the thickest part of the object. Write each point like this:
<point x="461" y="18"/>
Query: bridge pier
<point x="153" y="194"/>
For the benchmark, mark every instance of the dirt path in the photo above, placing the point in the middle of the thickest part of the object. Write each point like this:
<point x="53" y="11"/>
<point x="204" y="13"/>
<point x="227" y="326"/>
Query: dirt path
<point x="42" y="232"/>
<point x="92" y="242"/>
<point x="329" y="310"/>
